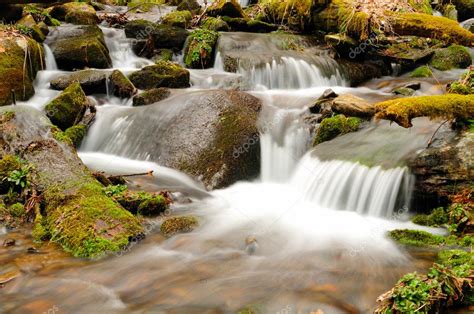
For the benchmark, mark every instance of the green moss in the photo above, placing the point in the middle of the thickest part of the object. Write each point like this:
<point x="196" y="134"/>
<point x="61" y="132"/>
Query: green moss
<point x="32" y="29"/>
<point x="230" y="8"/>
<point x="68" y="108"/>
<point x="454" y="56"/>
<point x="422" y="71"/>
<point x="199" y="50"/>
<point x="335" y="126"/>
<point x="151" y="96"/>
<point x="89" y="223"/>
<point x="424" y="25"/>
<point x="178" y="224"/>
<point x="415" y="237"/>
<point x="121" y="85"/>
<point x="17" y="210"/>
<point x="460" y="215"/>
<point x="438" y="217"/>
<point x="164" y="55"/>
<point x="296" y="14"/>
<point x="80" y="13"/>
<point x="162" y="74"/>
<point x="403" y="110"/>
<point x="178" y="19"/>
<point x="61" y="136"/>
<point x="215" y="24"/>
<point x="145" y="5"/>
<point x="423" y="6"/>
<point x="76" y="133"/>
<point x="142" y="203"/>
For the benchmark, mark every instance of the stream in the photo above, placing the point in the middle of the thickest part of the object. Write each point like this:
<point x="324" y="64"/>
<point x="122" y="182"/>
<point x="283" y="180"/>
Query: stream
<point x="319" y="215"/>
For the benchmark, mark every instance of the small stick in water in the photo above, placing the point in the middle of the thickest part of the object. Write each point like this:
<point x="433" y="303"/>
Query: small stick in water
<point x="436" y="131"/>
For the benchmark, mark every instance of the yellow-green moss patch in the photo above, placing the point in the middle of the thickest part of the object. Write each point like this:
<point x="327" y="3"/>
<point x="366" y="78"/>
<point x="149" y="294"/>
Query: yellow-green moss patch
<point x="178" y="224"/>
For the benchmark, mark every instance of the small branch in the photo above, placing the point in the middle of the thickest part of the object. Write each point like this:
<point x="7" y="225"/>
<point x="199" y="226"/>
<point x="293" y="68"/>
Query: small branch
<point x="436" y="131"/>
<point x="149" y="173"/>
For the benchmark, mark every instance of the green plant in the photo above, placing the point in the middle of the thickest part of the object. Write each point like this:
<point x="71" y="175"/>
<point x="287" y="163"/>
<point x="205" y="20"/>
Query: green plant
<point x="113" y="190"/>
<point x="19" y="177"/>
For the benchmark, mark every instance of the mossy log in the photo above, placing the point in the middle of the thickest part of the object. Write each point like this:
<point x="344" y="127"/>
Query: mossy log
<point x="75" y="213"/>
<point x="448" y="107"/>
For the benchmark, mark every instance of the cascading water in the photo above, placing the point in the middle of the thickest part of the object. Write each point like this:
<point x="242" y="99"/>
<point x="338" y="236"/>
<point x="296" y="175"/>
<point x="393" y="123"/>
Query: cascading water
<point x="51" y="64"/>
<point x="319" y="217"/>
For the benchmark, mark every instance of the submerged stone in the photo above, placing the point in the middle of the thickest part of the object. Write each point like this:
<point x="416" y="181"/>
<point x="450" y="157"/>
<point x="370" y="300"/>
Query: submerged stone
<point x="178" y="224"/>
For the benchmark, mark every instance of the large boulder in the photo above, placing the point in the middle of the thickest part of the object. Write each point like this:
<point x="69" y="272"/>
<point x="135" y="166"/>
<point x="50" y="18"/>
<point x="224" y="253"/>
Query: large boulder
<point x="74" y="211"/>
<point x="20" y="59"/>
<point x="230" y="8"/>
<point x="215" y="24"/>
<point x="75" y="13"/>
<point x="162" y="36"/>
<point x="189" y="5"/>
<point x="78" y="47"/>
<point x="199" y="50"/>
<point x="210" y="135"/>
<point x="69" y="107"/>
<point x="162" y="74"/>
<point x="92" y="81"/>
<point x="178" y="18"/>
<point x="443" y="169"/>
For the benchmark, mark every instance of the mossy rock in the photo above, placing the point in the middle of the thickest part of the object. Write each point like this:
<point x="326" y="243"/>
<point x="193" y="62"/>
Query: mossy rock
<point x="178" y="18"/>
<point x="189" y="5"/>
<point x="178" y="224"/>
<point x="34" y="30"/>
<point x="78" y="47"/>
<point x="162" y="36"/>
<point x="199" y="50"/>
<point x="17" y="210"/>
<point x="151" y="96"/>
<point x="20" y="59"/>
<point x="296" y="14"/>
<point x="332" y="127"/>
<point x="215" y="24"/>
<point x="465" y="84"/>
<point x="229" y="8"/>
<point x="121" y="85"/>
<point x="256" y="26"/>
<point x="454" y="56"/>
<point x="415" y="237"/>
<point x="76" y="134"/>
<point x="162" y="74"/>
<point x="404" y="91"/>
<point x="68" y="108"/>
<point x="424" y="25"/>
<point x="438" y="217"/>
<point x="163" y="55"/>
<point x="8" y="164"/>
<point x="76" y="213"/>
<point x="77" y="13"/>
<point x="422" y="71"/>
<point x="450" y="106"/>
<point x="143" y="203"/>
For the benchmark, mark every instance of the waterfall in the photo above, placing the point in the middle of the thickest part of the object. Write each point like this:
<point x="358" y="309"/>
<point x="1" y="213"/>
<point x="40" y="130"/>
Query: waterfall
<point x="51" y="64"/>
<point x="121" y="51"/>
<point x="283" y="141"/>
<point x="293" y="73"/>
<point x="350" y="186"/>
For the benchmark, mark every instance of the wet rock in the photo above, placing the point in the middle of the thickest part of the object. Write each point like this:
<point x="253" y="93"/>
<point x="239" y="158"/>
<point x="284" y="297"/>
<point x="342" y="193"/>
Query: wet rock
<point x="324" y="103"/>
<point x="352" y="106"/>
<point x="215" y="24"/>
<point x="408" y="50"/>
<point x="91" y="81"/>
<point x="189" y="5"/>
<point x="83" y="220"/>
<point x="229" y="8"/>
<point x="359" y="72"/>
<point x="75" y="13"/>
<point x="162" y="36"/>
<point x="151" y="96"/>
<point x="178" y="224"/>
<point x="16" y="73"/>
<point x="331" y="128"/>
<point x="143" y="203"/>
<point x="403" y="91"/>
<point x="256" y="26"/>
<point x="178" y="18"/>
<point x="452" y="57"/>
<point x="343" y="44"/>
<point x="465" y="9"/>
<point x="69" y="107"/>
<point x="442" y="169"/>
<point x="9" y="242"/>
<point x="121" y="85"/>
<point x="199" y="50"/>
<point x="162" y="74"/>
<point x="78" y="47"/>
<point x="35" y="32"/>
<point x="10" y="13"/>
<point x="422" y="71"/>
